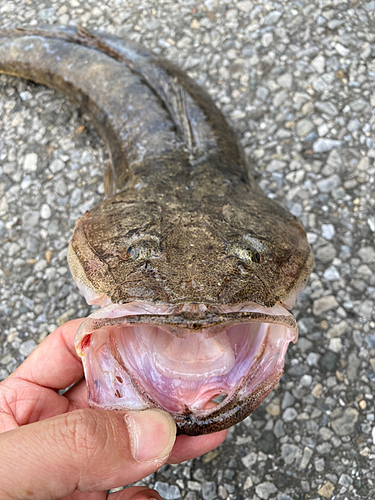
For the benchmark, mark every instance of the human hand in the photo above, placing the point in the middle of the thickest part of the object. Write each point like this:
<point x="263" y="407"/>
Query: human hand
<point x="53" y="446"/>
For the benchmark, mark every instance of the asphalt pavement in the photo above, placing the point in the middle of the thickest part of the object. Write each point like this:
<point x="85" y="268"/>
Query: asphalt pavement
<point x="296" y="80"/>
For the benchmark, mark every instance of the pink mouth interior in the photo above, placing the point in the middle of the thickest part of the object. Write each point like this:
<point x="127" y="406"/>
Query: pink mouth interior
<point x="136" y="366"/>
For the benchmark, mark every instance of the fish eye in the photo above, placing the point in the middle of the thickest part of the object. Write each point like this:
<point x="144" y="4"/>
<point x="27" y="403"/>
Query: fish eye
<point x="258" y="258"/>
<point x="142" y="249"/>
<point x="245" y="253"/>
<point x="130" y="253"/>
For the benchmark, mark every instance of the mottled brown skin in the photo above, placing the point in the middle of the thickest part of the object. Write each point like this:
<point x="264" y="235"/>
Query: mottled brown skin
<point x="234" y="410"/>
<point x="184" y="221"/>
<point x="210" y="322"/>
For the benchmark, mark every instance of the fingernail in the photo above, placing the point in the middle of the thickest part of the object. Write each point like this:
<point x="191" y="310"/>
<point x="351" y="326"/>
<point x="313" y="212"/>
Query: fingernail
<point x="152" y="434"/>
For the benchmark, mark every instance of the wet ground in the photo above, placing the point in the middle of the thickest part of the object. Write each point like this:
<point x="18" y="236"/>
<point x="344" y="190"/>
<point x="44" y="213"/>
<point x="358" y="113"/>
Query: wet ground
<point x="296" y="80"/>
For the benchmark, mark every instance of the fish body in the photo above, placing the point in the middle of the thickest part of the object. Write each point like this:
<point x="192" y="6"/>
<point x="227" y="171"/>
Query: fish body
<point x="193" y="266"/>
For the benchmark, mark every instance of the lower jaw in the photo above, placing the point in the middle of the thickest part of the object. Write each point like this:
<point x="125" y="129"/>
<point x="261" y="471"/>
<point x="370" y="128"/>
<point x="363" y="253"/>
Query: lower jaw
<point x="118" y="379"/>
<point x="229" y="414"/>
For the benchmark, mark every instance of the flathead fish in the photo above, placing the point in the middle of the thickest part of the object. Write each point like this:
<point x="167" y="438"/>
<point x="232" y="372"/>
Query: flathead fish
<point x="193" y="267"/>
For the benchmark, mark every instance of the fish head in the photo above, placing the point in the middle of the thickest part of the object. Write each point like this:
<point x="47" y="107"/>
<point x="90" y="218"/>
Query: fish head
<point x="254" y="251"/>
<point x="194" y="305"/>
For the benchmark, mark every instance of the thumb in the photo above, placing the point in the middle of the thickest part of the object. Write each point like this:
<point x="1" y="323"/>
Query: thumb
<point x="85" y="450"/>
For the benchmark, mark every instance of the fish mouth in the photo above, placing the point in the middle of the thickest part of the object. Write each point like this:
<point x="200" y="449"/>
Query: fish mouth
<point x="180" y="358"/>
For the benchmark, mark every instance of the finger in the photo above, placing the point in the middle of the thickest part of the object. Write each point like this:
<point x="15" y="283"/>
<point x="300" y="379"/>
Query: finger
<point x="188" y="447"/>
<point x="22" y="403"/>
<point x="78" y="495"/>
<point x="135" y="493"/>
<point x="185" y="448"/>
<point x="85" y="450"/>
<point x="54" y="363"/>
<point x="77" y="395"/>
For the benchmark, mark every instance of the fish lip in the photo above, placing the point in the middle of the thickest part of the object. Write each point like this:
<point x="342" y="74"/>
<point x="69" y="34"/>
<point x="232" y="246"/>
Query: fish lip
<point x="206" y="319"/>
<point x="180" y="320"/>
<point x="230" y="412"/>
<point x="181" y="324"/>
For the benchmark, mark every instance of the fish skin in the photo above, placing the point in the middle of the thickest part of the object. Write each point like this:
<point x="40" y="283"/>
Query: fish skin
<point x="183" y="221"/>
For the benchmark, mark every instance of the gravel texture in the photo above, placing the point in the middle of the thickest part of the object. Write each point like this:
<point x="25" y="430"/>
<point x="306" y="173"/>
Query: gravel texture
<point x="296" y="79"/>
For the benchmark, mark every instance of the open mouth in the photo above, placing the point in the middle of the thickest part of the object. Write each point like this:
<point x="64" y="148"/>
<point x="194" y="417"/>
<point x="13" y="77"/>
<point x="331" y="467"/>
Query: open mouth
<point x="180" y="358"/>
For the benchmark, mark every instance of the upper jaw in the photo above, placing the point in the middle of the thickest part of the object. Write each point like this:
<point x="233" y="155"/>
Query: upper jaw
<point x="182" y="319"/>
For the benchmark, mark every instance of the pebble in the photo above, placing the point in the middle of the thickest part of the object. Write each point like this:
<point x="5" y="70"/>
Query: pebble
<point x="367" y="254"/>
<point x="304" y="127"/>
<point x="56" y="166"/>
<point x="331" y="274"/>
<point x="30" y="163"/>
<point x="313" y="358"/>
<point x="248" y="483"/>
<point x="40" y="265"/>
<point x="329" y="184"/>
<point x="208" y="490"/>
<point x="13" y="249"/>
<point x="353" y="366"/>
<point x="366" y="309"/>
<point x="168" y="491"/>
<point x="335" y="344"/>
<point x="326" y="490"/>
<point x="306" y="457"/>
<point x="370" y="340"/>
<point x="278" y="429"/>
<point x="30" y="219"/>
<point x="343" y="51"/>
<point x="306" y="380"/>
<point x="61" y="188"/>
<point x="324" y="304"/>
<point x="265" y="490"/>
<point x="272" y="18"/>
<point x="273" y="408"/>
<point x="318" y="63"/>
<point x="371" y="223"/>
<point x="245" y="6"/>
<point x="324" y="145"/>
<point x="289" y="415"/>
<point x="328" y="231"/>
<point x="288" y="400"/>
<point x="290" y="453"/>
<point x="346" y="424"/>
<point x="338" y="329"/>
<point x="267" y="40"/>
<point x="250" y="459"/>
<point x="327" y="107"/>
<point x="27" y="347"/>
<point x="285" y="80"/>
<point x="358" y="105"/>
<point x="317" y="391"/>
<point x="276" y="165"/>
<point x="45" y="211"/>
<point x="328" y="361"/>
<point x="194" y="485"/>
<point x="322" y="83"/>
